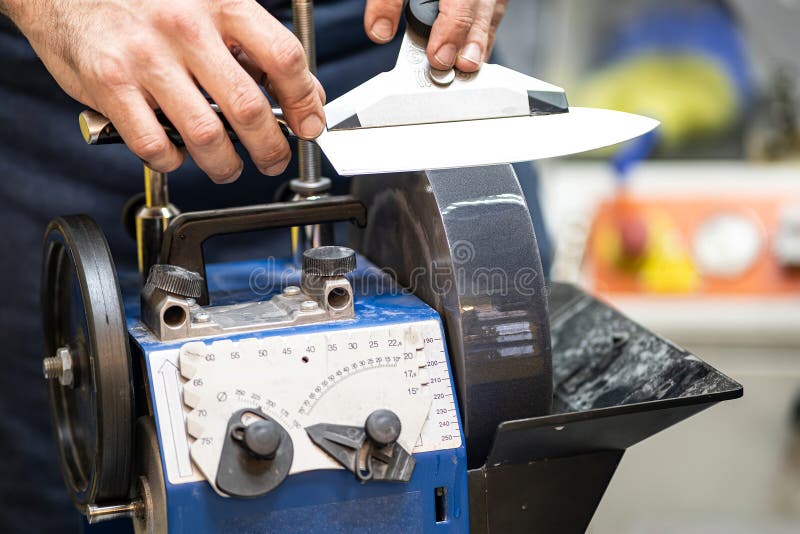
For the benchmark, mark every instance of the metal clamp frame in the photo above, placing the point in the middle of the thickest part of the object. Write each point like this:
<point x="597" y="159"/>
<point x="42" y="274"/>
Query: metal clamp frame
<point x="184" y="238"/>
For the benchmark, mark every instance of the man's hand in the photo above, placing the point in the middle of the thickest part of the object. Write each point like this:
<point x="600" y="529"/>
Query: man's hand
<point x="126" y="57"/>
<point x="463" y="35"/>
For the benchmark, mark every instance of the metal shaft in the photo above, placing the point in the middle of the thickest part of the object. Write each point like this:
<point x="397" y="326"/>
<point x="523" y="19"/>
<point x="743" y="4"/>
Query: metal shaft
<point x="156" y="192"/>
<point x="303" y="20"/>
<point x="310" y="183"/>
<point x="152" y="219"/>
<point x="99" y="513"/>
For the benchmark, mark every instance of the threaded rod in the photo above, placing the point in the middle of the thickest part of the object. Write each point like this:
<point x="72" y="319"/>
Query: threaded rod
<point x="52" y="367"/>
<point x="308" y="155"/>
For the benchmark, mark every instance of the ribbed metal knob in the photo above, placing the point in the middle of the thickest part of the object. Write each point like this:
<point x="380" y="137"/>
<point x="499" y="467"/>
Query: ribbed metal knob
<point x="176" y="280"/>
<point x="329" y="261"/>
<point x="420" y="16"/>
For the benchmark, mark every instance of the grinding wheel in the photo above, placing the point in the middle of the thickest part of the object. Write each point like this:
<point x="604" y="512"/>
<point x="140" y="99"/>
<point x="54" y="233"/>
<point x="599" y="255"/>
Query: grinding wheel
<point x="83" y="317"/>
<point x="462" y="240"/>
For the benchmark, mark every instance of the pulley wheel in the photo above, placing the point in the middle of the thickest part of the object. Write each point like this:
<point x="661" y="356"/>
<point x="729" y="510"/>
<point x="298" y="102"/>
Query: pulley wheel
<point x="87" y="361"/>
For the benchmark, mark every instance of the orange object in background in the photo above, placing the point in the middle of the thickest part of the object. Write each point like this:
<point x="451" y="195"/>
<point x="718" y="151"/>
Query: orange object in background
<point x="699" y="245"/>
<point x="629" y="222"/>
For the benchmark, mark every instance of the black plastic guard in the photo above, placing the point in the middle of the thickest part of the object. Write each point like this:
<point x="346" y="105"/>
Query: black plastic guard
<point x="615" y="384"/>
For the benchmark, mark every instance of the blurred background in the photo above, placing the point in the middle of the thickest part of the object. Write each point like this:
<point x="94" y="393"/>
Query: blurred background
<point x="693" y="231"/>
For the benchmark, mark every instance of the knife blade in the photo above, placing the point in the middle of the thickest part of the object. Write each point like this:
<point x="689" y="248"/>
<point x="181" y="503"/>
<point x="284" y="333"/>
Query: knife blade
<point x="478" y="142"/>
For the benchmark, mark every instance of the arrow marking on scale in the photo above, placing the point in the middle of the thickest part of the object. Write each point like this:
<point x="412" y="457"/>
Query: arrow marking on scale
<point x="169" y="377"/>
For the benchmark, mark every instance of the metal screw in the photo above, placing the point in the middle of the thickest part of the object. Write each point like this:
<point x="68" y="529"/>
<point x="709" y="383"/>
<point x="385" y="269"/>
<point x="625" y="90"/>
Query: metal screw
<point x="59" y="366"/>
<point x="201" y="317"/>
<point x="442" y="77"/>
<point x="192" y="303"/>
<point x="52" y="367"/>
<point x="309" y="305"/>
<point x="99" y="513"/>
<point x="291" y="291"/>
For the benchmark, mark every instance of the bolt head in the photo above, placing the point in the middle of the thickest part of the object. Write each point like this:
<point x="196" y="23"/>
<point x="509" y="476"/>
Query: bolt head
<point x="291" y="291"/>
<point x="442" y="77"/>
<point x="309" y="305"/>
<point x="201" y="317"/>
<point x="67" y="376"/>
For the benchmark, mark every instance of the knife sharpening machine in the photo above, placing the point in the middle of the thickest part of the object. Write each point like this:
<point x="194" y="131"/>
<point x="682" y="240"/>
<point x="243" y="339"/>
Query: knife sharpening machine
<point x="425" y="378"/>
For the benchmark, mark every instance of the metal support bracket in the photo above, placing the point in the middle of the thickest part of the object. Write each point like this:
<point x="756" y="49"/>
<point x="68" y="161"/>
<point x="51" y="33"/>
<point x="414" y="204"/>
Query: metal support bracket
<point x="183" y="240"/>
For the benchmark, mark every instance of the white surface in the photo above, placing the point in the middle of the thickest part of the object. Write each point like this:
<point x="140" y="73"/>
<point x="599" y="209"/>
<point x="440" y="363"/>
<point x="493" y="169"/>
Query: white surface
<point x="220" y="384"/>
<point x="171" y="414"/>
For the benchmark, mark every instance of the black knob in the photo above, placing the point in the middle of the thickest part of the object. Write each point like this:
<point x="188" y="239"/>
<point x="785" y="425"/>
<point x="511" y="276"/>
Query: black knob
<point x="383" y="427"/>
<point x="262" y="439"/>
<point x="421" y="14"/>
<point x="329" y="261"/>
<point x="176" y="280"/>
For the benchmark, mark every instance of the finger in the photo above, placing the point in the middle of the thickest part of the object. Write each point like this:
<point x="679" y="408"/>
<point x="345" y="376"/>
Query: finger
<point x="323" y="97"/>
<point x="203" y="133"/>
<point x="247" y="64"/>
<point x="255" y="72"/>
<point x="242" y="103"/>
<point x="473" y="54"/>
<point x="499" y="13"/>
<point x="136" y="123"/>
<point x="450" y="31"/>
<point x="381" y="18"/>
<point x="277" y="52"/>
<point x="263" y="80"/>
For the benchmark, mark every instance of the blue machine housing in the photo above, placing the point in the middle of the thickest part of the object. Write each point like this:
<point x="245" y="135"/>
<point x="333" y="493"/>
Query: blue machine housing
<point x="435" y="500"/>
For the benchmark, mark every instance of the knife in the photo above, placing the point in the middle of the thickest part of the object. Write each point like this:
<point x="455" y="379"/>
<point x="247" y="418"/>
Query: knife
<point x="442" y="145"/>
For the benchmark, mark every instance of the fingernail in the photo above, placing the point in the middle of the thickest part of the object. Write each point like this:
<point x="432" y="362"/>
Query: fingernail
<point x="277" y="169"/>
<point x="446" y="55"/>
<point x="382" y="30"/>
<point x="233" y="177"/>
<point x="472" y="53"/>
<point x="311" y="126"/>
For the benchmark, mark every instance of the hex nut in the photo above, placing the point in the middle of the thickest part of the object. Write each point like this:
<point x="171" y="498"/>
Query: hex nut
<point x="67" y="376"/>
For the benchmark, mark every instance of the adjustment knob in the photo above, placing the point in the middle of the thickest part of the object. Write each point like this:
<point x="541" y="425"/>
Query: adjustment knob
<point x="383" y="427"/>
<point x="421" y="14"/>
<point x="329" y="261"/>
<point x="262" y="439"/>
<point x="176" y="280"/>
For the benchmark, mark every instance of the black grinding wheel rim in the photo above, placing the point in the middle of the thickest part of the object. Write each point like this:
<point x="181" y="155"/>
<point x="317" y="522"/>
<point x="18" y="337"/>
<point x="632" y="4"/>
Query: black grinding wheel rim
<point x="81" y="307"/>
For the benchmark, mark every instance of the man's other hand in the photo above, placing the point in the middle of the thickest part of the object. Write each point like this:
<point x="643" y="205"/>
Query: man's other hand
<point x="463" y="35"/>
<point x="125" y="58"/>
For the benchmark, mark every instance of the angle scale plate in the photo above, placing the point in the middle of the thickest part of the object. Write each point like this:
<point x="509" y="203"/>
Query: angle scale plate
<point x="335" y="377"/>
